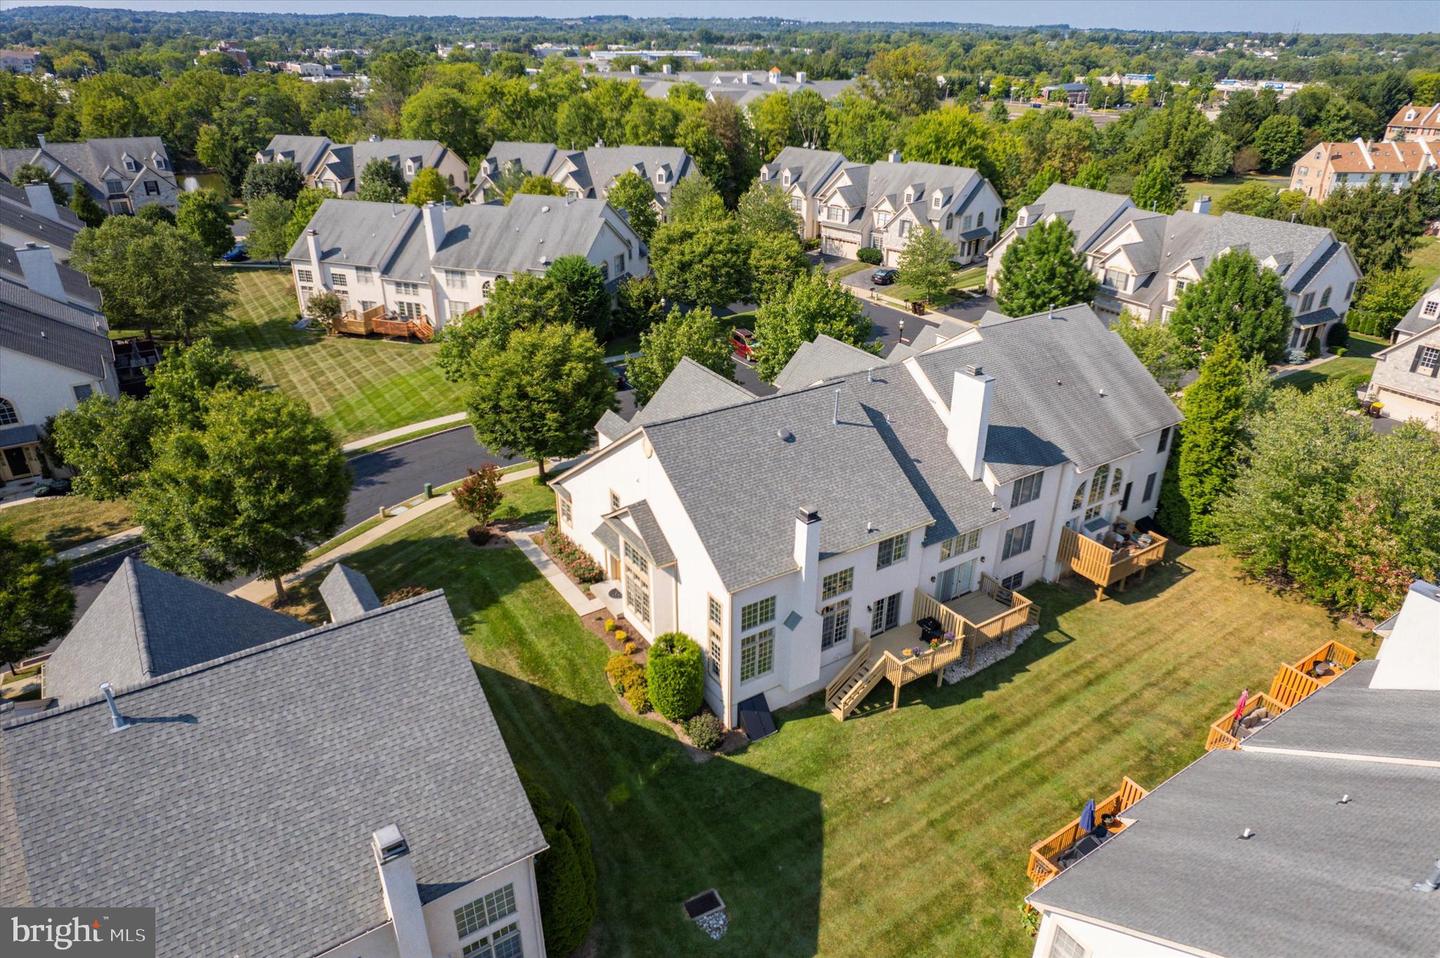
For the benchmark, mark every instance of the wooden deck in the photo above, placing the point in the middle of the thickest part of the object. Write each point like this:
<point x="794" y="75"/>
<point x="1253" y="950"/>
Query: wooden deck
<point x="991" y="613"/>
<point x="1106" y="566"/>
<point x="1292" y="684"/>
<point x="376" y="320"/>
<point x="1045" y="854"/>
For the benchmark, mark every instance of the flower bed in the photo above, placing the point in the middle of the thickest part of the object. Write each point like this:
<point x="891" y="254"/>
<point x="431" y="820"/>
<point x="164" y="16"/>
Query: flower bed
<point x="574" y="560"/>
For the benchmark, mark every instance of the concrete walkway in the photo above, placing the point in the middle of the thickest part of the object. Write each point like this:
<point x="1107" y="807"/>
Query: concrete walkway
<point x="100" y="545"/>
<point x="455" y="418"/>
<point x="578" y="600"/>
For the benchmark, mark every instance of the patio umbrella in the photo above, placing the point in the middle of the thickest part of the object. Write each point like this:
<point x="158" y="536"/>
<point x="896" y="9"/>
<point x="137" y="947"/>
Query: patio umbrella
<point x="1239" y="711"/>
<point x="1087" y="817"/>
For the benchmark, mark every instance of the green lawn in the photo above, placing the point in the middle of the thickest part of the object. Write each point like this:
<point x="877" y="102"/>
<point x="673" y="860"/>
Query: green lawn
<point x="1194" y="189"/>
<point x="895" y="833"/>
<point x="361" y="386"/>
<point x="65" y="521"/>
<point x="1426" y="257"/>
<point x="1357" y="361"/>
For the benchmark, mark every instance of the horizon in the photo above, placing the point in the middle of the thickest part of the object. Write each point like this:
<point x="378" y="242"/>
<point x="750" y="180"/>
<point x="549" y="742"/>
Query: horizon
<point x="1218" y="16"/>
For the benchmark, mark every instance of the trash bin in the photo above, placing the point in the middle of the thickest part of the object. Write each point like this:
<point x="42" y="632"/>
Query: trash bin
<point x="429" y="491"/>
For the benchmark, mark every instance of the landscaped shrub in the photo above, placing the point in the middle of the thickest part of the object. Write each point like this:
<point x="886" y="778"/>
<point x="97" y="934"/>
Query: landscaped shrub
<point x="621" y="635"/>
<point x="623" y="671"/>
<point x="1337" y="337"/>
<point x="871" y="255"/>
<point x="675" y="675"/>
<point x="564" y="873"/>
<point x="705" y="731"/>
<point x="630" y="647"/>
<point x="636" y="695"/>
<point x="403" y="593"/>
<point x="609" y="625"/>
<point x="1312" y="348"/>
<point x="570" y="556"/>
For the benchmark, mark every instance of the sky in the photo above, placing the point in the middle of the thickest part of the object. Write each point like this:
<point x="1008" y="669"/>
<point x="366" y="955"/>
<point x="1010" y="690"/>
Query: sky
<point x="1259" y="16"/>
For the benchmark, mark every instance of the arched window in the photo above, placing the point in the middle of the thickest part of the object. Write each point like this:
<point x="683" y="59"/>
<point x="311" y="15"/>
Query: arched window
<point x="485" y="288"/>
<point x="8" y="415"/>
<point x="1079" y="496"/>
<point x="1097" y="485"/>
<point x="1116" y="481"/>
<point x="1325" y="298"/>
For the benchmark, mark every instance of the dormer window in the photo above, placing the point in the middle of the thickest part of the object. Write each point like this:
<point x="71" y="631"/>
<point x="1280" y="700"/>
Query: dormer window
<point x="1409" y="114"/>
<point x="785" y="179"/>
<point x="130" y="165"/>
<point x="159" y="161"/>
<point x="935" y="201"/>
<point x="409" y="168"/>
<point x="909" y="197"/>
<point x="661" y="176"/>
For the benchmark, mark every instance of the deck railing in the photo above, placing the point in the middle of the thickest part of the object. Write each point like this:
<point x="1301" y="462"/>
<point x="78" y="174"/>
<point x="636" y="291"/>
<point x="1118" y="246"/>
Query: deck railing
<point x="1338" y="654"/>
<point x="1045" y="854"/>
<point x="1291" y="686"/>
<point x="1103" y="565"/>
<point x="1223" y="732"/>
<point x="857" y="662"/>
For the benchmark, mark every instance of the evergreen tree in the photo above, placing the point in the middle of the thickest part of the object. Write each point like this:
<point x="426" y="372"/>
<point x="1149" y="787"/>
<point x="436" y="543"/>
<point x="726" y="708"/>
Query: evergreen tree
<point x="1385" y="298"/>
<point x="1158" y="188"/>
<point x="83" y="205"/>
<point x="1205" y="457"/>
<point x="1041" y="270"/>
<point x="1379" y="225"/>
<point x="1234" y="295"/>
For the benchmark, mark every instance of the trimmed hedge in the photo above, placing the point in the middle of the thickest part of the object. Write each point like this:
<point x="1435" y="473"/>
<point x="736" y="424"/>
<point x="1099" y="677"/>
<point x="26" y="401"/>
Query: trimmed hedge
<point x="705" y="731"/>
<point x="573" y="558"/>
<point x="565" y="873"/>
<point x="871" y="255"/>
<point x="675" y="675"/>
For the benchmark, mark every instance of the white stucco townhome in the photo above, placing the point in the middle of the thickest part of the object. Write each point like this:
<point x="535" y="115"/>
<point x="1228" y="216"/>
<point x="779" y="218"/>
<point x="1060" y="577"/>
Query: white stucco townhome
<point x="853" y="205"/>
<point x="438" y="262"/>
<point x="787" y="533"/>
<point x="584" y="174"/>
<point x="1144" y="260"/>
<point x="337" y="166"/>
<point x="1406" y="377"/>
<point x="268" y="787"/>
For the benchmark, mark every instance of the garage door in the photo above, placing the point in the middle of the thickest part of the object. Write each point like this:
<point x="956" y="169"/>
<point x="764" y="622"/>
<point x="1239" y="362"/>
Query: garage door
<point x="839" y="246"/>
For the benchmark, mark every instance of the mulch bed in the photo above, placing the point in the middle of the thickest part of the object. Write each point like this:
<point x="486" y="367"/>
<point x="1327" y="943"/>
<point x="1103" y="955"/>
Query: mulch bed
<point x="595" y="622"/>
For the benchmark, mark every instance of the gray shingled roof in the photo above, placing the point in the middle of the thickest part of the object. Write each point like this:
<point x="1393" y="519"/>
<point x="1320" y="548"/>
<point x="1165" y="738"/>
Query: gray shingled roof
<point x="1413" y="322"/>
<point x="823" y="358"/>
<point x="26" y="326"/>
<point x="690" y="388"/>
<point x="77" y="284"/>
<point x="1353" y="719"/>
<point x="304" y="151"/>
<point x="428" y="153"/>
<point x="359" y="233"/>
<point x="1086" y="212"/>
<point x="1180" y="874"/>
<point x="809" y="169"/>
<point x="89" y="160"/>
<point x="347" y="593"/>
<point x="646" y="532"/>
<point x="526" y="236"/>
<point x="145" y="623"/>
<point x="40" y="229"/>
<point x="241" y="802"/>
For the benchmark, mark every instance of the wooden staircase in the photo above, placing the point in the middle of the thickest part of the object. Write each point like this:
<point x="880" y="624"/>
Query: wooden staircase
<point x="856" y="684"/>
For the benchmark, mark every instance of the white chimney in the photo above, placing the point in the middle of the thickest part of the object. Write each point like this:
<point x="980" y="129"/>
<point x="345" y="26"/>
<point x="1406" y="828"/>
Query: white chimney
<point x="38" y="266"/>
<point x="807" y="549"/>
<point x="745" y="78"/>
<point x="312" y="244"/>
<point x="666" y="69"/>
<point x="635" y="69"/>
<point x="1365" y="152"/>
<point x="969" y="420"/>
<point x="1202" y="205"/>
<point x="894" y="156"/>
<point x="434" y="217"/>
<point x="42" y="201"/>
<point x="402" y="894"/>
<point x="800" y="76"/>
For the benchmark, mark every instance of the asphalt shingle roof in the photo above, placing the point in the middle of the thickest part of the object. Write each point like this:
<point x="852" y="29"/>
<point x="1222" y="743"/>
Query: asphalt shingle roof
<point x="809" y="169"/>
<point x="77" y="285"/>
<point x="241" y="801"/>
<point x="1086" y="212"/>
<point x="146" y="623"/>
<point x="305" y="152"/>
<point x="823" y="358"/>
<point x="27" y="326"/>
<point x="347" y="593"/>
<point x="690" y="388"/>
<point x="91" y="158"/>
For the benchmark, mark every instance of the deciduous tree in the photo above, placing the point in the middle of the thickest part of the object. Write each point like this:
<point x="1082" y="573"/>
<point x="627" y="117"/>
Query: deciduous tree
<point x="36" y="603"/>
<point x="202" y="217"/>
<point x="577" y="295"/>
<point x="1385" y="298"/>
<point x="765" y="208"/>
<point x="1155" y="345"/>
<point x="1279" y="140"/>
<point x="272" y="179"/>
<point x="776" y="262"/>
<point x="925" y="262"/>
<point x="696" y="334"/>
<point x="633" y="195"/>
<point x="1041" y="270"/>
<point x="815" y="304"/>
<point x="1158" y="188"/>
<point x="701" y="264"/>
<point x="269" y="227"/>
<point x="381" y="182"/>
<point x="1234" y="295"/>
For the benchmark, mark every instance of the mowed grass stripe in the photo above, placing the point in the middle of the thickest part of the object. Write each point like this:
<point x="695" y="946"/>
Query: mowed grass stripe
<point x="359" y="386"/>
<point x="891" y="834"/>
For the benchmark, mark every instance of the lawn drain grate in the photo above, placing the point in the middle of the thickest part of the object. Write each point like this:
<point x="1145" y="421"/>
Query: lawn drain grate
<point x="707" y="910"/>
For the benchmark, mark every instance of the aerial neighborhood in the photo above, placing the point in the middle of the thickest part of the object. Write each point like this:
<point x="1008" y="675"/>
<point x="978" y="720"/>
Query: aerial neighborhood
<point x="474" y="483"/>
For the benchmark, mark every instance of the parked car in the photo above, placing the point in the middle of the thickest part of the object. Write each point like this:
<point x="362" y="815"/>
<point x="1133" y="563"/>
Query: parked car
<point x="52" y="487"/>
<point x="621" y="383"/>
<point x="235" y="254"/>
<point x="884" y="276"/>
<point x="742" y="341"/>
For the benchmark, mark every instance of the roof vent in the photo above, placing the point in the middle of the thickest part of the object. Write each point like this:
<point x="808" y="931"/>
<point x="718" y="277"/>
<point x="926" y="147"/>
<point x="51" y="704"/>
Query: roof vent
<point x="389" y="844"/>
<point x="545" y="208"/>
<point x="1102" y="393"/>
<point x="117" y="721"/>
<point x="1431" y="883"/>
<point x="1344" y="800"/>
<point x="784" y="435"/>
<point x="1247" y="834"/>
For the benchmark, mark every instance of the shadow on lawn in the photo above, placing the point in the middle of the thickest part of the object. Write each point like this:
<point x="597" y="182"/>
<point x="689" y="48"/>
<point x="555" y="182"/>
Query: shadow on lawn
<point x="664" y="828"/>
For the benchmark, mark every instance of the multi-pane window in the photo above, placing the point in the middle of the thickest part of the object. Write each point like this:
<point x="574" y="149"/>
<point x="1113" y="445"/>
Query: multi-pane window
<point x="1079" y="499"/>
<point x="892" y="550"/>
<point x="1097" y="485"/>
<point x="8" y="416"/>
<point x="837" y="583"/>
<point x="1064" y="946"/>
<point x="565" y="513"/>
<point x="1017" y="540"/>
<point x="1149" y="487"/>
<point x="980" y="219"/>
<point x="757" y="614"/>
<point x="1026" y="489"/>
<point x="364" y="274"/>
<point x="1325" y="298"/>
<point x="637" y="583"/>
<point x="1164" y="439"/>
<point x="1429" y="360"/>
<point x="454" y="278"/>
<point x="1116" y="480"/>
<point x="1114" y="279"/>
<point x="1013" y="581"/>
<point x="959" y="545"/>
<point x="152" y="188"/>
<point x="1093" y="511"/>
<point x="407" y="289"/>
<point x="305" y="276"/>
<point x="614" y="500"/>
<point x="834" y="623"/>
<point x="619" y="264"/>
<point x="757" y="654"/>
<point x="885" y="614"/>
<point x="471" y="918"/>
<point x="714" y="652"/>
<point x="717" y="614"/>
<point x="82" y="391"/>
<point x="504" y="943"/>
<point x="114" y="186"/>
<point x="1306" y="302"/>
<point x="1431" y="307"/>
<point x="409" y="310"/>
<point x="457" y="308"/>
<point x="338" y="280"/>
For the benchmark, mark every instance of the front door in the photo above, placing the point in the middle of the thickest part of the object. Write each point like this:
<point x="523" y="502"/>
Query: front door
<point x="614" y="566"/>
<point x="16" y="462"/>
